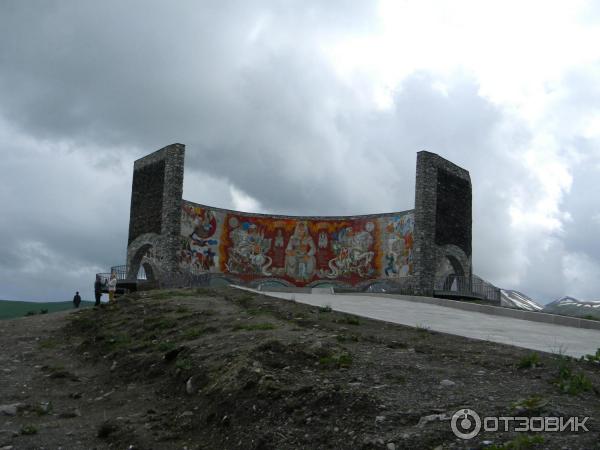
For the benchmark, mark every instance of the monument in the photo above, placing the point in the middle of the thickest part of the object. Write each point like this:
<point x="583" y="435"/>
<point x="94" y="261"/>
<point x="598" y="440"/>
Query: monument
<point x="175" y="240"/>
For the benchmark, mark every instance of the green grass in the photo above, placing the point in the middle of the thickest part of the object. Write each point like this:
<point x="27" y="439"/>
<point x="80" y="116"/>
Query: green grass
<point x="118" y="341"/>
<point x="533" y="404"/>
<point x="258" y="312"/>
<point x="245" y="301"/>
<point x="570" y="382"/>
<point x="10" y="309"/>
<point x="183" y="364"/>
<point x="48" y="343"/>
<point x="83" y="323"/>
<point x="347" y="337"/>
<point x="521" y="442"/>
<point x="166" y="346"/>
<point x="423" y="329"/>
<point x="351" y="320"/>
<point x="159" y="323"/>
<point x="336" y="361"/>
<point x="592" y="358"/>
<point x="529" y="361"/>
<point x="28" y="430"/>
<point x="193" y="333"/>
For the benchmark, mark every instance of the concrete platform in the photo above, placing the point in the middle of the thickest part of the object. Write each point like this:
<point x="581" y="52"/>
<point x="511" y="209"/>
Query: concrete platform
<point x="546" y="337"/>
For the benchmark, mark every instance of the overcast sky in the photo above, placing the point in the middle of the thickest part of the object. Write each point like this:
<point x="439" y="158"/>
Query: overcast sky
<point x="300" y="107"/>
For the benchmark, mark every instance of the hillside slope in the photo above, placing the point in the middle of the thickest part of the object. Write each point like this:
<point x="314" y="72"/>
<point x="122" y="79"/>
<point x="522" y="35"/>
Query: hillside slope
<point x="212" y="369"/>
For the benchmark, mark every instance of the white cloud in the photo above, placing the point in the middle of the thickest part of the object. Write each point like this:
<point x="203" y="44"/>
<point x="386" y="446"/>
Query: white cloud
<point x="582" y="274"/>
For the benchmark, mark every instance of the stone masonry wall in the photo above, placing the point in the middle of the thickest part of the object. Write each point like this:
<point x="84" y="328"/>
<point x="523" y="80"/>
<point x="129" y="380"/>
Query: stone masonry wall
<point x="155" y="214"/>
<point x="443" y="221"/>
<point x="158" y="240"/>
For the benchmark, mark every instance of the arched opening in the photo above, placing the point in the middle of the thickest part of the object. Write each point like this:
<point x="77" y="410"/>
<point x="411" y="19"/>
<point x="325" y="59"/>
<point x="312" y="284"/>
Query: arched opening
<point x="324" y="284"/>
<point x="146" y="272"/>
<point x="454" y="279"/>
<point x="141" y="265"/>
<point x="271" y="284"/>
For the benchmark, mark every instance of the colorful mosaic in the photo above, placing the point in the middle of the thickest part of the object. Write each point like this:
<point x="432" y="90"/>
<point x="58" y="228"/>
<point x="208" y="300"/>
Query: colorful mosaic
<point x="298" y="250"/>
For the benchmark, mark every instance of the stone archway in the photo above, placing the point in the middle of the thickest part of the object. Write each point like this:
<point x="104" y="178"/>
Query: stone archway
<point x="142" y="260"/>
<point x="148" y="271"/>
<point x="453" y="270"/>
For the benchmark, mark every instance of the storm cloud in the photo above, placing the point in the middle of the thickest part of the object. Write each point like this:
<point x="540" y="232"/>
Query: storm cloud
<point x="270" y="125"/>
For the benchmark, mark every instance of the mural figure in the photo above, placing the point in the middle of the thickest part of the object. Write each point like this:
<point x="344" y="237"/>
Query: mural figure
<point x="398" y="244"/>
<point x="297" y="250"/>
<point x="205" y="225"/>
<point x="300" y="254"/>
<point x="279" y="238"/>
<point x="390" y="267"/>
<point x="353" y="254"/>
<point x="248" y="255"/>
<point x="197" y="254"/>
<point x="323" y="240"/>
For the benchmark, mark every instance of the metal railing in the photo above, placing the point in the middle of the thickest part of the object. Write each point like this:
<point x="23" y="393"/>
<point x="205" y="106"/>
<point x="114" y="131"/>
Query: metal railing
<point x="182" y="279"/>
<point x="120" y="271"/>
<point x="471" y="286"/>
<point x="487" y="290"/>
<point x="466" y="285"/>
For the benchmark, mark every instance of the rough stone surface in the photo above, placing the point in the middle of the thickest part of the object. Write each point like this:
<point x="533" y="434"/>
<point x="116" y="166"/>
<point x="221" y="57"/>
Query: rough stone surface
<point x="442" y="219"/>
<point x="453" y="211"/>
<point x="147" y="199"/>
<point x="10" y="410"/>
<point x="155" y="216"/>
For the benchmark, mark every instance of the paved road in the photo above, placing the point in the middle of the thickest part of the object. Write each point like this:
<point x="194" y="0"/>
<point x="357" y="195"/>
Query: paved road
<point x="521" y="333"/>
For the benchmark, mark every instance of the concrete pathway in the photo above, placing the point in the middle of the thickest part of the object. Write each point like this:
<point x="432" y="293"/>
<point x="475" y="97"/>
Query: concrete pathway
<point x="506" y="330"/>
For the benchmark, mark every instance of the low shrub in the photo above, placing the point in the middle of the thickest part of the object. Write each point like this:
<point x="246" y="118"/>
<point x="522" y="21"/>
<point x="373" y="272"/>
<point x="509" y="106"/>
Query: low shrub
<point x="530" y="361"/>
<point x="336" y="361"/>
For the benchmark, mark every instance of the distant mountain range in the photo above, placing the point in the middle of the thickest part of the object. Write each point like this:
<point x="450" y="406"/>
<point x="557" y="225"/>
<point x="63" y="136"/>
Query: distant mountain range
<point x="569" y="306"/>
<point x="514" y="299"/>
<point x="565" y="306"/>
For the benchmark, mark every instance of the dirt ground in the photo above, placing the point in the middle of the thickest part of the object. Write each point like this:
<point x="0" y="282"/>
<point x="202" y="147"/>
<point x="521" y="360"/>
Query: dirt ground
<point x="227" y="369"/>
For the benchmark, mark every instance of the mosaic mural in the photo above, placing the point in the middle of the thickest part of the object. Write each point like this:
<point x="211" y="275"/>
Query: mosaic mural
<point x="299" y="250"/>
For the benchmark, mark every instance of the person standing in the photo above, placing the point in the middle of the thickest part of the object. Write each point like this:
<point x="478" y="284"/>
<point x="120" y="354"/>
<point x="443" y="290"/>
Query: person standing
<point x="97" y="290"/>
<point x="77" y="300"/>
<point x="112" y="287"/>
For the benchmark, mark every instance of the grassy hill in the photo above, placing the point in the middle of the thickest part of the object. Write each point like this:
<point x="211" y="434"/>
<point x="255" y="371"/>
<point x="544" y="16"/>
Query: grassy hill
<point x="227" y="369"/>
<point x="10" y="309"/>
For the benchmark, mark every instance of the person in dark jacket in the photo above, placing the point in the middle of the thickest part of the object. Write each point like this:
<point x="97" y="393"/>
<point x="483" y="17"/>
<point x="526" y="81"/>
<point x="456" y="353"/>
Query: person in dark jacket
<point x="77" y="300"/>
<point x="98" y="290"/>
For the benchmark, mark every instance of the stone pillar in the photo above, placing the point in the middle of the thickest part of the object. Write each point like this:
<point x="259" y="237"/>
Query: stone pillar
<point x="156" y="199"/>
<point x="442" y="217"/>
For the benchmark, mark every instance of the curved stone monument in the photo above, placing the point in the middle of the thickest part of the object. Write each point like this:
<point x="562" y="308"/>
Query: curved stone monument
<point x="172" y="238"/>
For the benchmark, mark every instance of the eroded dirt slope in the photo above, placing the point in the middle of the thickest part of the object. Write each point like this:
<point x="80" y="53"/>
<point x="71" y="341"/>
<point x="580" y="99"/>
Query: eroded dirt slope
<point x="204" y="368"/>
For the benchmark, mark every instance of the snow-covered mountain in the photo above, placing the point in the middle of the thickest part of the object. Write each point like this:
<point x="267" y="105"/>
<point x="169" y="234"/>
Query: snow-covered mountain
<point x="514" y="299"/>
<point x="570" y="306"/>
